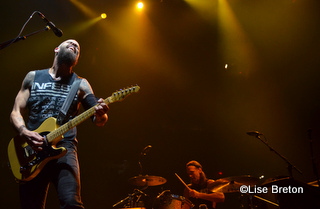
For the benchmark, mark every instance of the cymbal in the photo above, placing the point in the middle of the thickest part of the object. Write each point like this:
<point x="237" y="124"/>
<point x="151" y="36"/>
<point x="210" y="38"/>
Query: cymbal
<point x="227" y="188"/>
<point x="276" y="181"/>
<point x="147" y="180"/>
<point x="244" y="179"/>
<point x="232" y="184"/>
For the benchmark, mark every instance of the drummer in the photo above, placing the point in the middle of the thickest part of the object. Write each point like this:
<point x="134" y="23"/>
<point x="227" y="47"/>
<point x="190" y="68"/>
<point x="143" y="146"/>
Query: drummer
<point x="198" y="192"/>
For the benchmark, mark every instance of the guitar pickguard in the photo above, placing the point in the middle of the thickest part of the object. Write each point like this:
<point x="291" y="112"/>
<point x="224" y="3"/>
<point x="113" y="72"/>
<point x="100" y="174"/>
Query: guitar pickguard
<point x="47" y="153"/>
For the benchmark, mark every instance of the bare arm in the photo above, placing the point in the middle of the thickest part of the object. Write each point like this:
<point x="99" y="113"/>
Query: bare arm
<point x="100" y="116"/>
<point x="19" y="108"/>
<point x="214" y="197"/>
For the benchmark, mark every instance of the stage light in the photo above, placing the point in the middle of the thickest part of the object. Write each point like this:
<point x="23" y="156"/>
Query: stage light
<point x="103" y="15"/>
<point x="140" y="5"/>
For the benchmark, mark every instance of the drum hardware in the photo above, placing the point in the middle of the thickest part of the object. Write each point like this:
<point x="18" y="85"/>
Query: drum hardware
<point x="228" y="184"/>
<point x="166" y="200"/>
<point x="143" y="181"/>
<point x="131" y="200"/>
<point x="265" y="200"/>
<point x="163" y="193"/>
<point x="253" y="205"/>
<point x="314" y="183"/>
<point x="203" y="206"/>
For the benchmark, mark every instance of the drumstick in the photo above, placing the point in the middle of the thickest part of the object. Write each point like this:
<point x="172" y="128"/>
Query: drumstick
<point x="192" y="205"/>
<point x="182" y="181"/>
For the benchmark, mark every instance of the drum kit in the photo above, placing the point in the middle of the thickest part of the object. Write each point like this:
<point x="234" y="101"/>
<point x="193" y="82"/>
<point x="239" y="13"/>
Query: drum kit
<point x="167" y="200"/>
<point x="228" y="185"/>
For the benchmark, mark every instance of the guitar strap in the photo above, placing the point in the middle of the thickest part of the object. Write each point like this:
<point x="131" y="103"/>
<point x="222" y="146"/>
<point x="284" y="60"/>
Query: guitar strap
<point x="66" y="105"/>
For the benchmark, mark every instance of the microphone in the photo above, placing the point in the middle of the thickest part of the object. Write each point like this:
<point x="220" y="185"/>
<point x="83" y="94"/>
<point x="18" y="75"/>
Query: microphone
<point x="50" y="24"/>
<point x="254" y="133"/>
<point x="146" y="150"/>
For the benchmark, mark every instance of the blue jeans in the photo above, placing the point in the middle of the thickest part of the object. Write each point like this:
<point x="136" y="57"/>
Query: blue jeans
<point x="64" y="174"/>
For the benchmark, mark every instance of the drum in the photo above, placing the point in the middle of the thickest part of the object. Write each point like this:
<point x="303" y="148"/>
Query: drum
<point x="175" y="202"/>
<point x="132" y="208"/>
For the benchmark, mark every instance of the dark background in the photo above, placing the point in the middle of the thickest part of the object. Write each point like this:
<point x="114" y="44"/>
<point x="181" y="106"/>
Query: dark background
<point x="189" y="107"/>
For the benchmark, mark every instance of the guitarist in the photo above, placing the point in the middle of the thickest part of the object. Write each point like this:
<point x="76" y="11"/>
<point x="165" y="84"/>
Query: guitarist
<point x="41" y="96"/>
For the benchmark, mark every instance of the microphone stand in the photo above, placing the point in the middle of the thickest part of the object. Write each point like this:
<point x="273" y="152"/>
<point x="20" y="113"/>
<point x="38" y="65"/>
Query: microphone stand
<point x="8" y="43"/>
<point x="143" y="153"/>
<point x="140" y="166"/>
<point x="141" y="173"/>
<point x="290" y="165"/>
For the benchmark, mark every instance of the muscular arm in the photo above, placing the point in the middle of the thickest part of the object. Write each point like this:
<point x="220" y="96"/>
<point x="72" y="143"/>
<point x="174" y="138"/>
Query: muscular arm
<point x="100" y="116"/>
<point x="19" y="108"/>
<point x="213" y="197"/>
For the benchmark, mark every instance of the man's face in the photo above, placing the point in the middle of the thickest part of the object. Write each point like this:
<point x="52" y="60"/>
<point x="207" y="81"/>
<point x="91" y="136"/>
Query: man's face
<point x="194" y="174"/>
<point x="68" y="52"/>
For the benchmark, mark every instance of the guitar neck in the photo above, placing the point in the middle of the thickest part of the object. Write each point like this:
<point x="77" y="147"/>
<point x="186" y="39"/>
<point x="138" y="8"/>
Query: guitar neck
<point x="74" y="122"/>
<point x="116" y="96"/>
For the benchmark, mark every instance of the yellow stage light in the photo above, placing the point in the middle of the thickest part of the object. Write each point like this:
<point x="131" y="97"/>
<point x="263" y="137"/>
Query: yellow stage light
<point x="140" y="5"/>
<point x="103" y="15"/>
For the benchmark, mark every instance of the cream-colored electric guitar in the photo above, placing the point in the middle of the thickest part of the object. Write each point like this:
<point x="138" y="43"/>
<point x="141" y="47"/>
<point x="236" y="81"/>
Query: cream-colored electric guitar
<point x="26" y="163"/>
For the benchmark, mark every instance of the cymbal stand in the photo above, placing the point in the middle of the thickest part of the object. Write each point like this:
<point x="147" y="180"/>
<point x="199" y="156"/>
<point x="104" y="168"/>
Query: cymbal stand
<point x="130" y="199"/>
<point x="251" y="204"/>
<point x="122" y="201"/>
<point x="265" y="200"/>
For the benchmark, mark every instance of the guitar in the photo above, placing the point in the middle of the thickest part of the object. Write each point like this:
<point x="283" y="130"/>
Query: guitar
<point x="27" y="163"/>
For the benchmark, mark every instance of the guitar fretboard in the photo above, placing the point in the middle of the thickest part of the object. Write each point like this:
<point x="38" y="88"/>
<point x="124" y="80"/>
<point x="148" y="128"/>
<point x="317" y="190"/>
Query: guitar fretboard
<point x="74" y="122"/>
<point x="116" y="96"/>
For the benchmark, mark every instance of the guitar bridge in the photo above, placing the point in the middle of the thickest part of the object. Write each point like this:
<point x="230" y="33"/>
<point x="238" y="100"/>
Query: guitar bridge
<point x="47" y="152"/>
<point x="28" y="151"/>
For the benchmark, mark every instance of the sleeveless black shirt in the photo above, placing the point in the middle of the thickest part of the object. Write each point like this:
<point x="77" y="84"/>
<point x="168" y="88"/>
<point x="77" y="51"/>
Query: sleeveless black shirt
<point x="46" y="98"/>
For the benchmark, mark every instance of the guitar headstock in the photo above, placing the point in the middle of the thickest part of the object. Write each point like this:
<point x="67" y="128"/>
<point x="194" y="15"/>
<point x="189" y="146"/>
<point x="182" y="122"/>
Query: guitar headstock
<point x="123" y="93"/>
